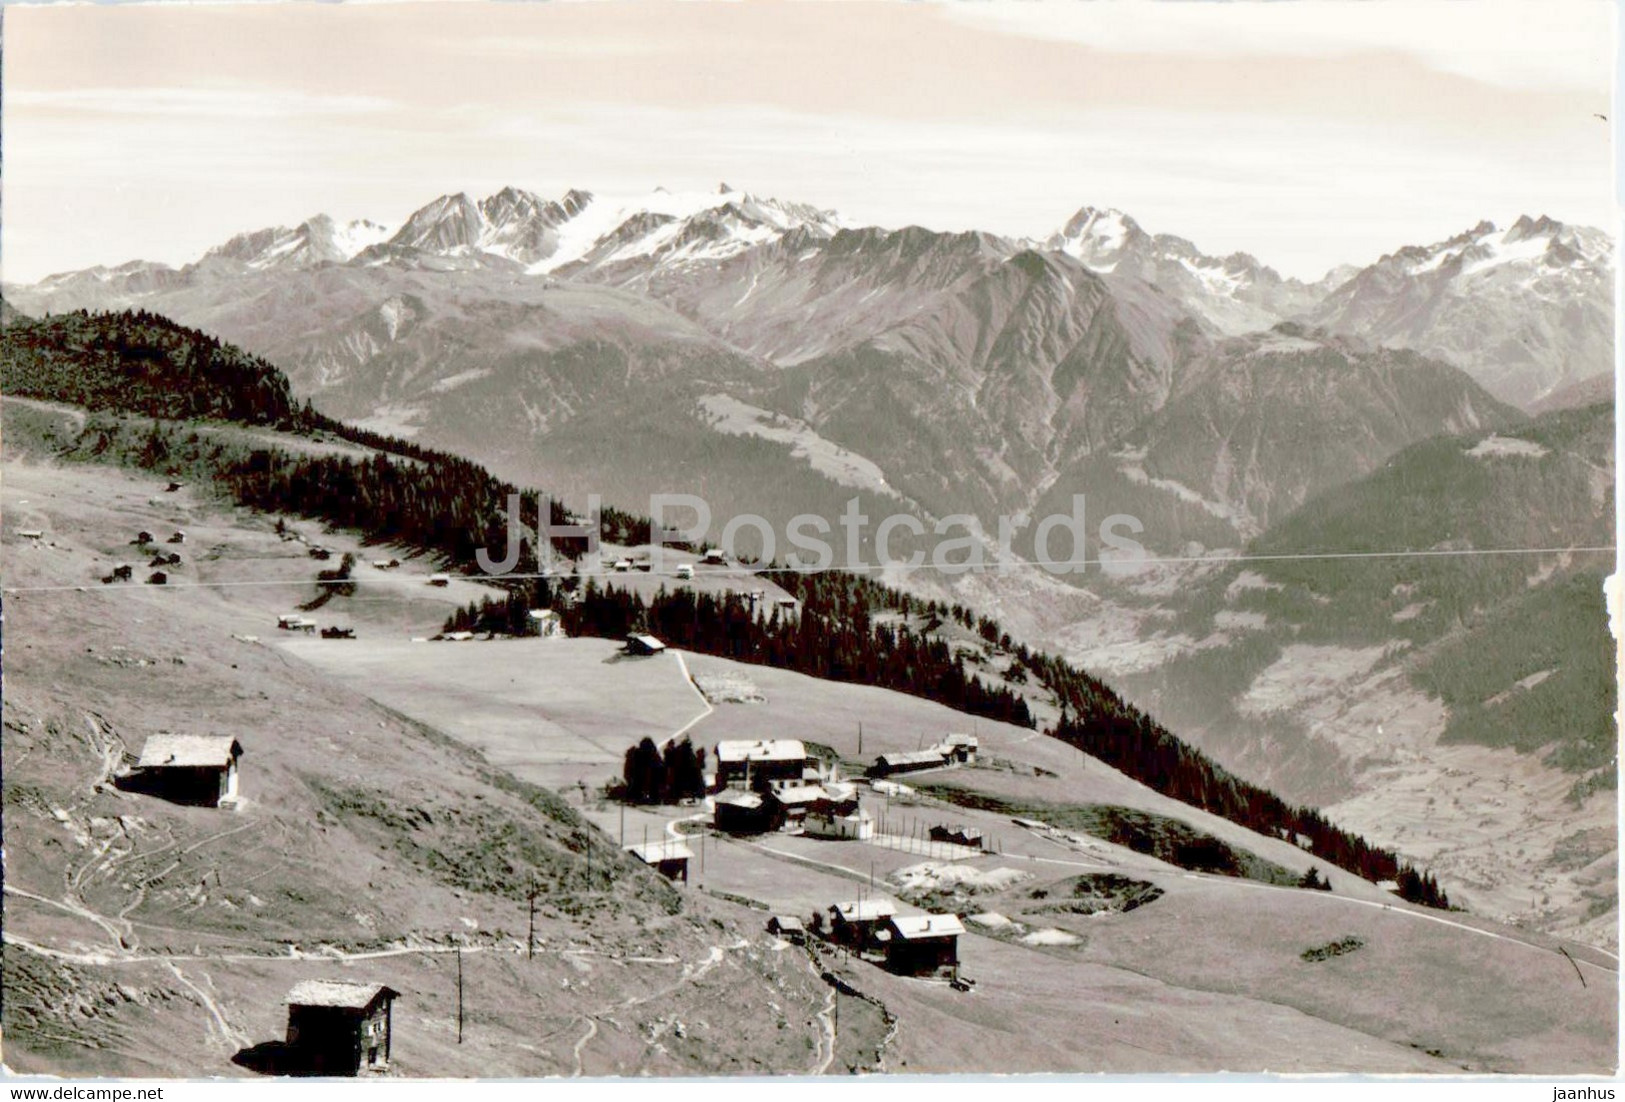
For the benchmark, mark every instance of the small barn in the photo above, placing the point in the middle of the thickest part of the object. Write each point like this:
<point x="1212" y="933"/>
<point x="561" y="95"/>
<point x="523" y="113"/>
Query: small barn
<point x="670" y="857"/>
<point x="714" y="557"/>
<point x="921" y="944"/>
<point x="189" y="769"/>
<point x="961" y="749"/>
<point x="336" y="1027"/>
<point x="957" y="835"/>
<point x="788" y="927"/>
<point x="643" y="645"/>
<point x="857" y="923"/>
<point x="544" y="622"/>
<point x="759" y="763"/>
<point x="911" y="761"/>
<point x="736" y="811"/>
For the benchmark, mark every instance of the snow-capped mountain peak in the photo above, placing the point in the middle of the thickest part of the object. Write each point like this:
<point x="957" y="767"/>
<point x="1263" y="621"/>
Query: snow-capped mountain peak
<point x="317" y="240"/>
<point x="1235" y="293"/>
<point x="668" y="227"/>
<point x="1097" y="237"/>
<point x="1527" y="246"/>
<point x="1525" y="310"/>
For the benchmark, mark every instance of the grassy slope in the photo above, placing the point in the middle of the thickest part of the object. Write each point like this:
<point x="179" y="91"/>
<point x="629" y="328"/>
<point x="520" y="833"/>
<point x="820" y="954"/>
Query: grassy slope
<point x="331" y="852"/>
<point x="421" y="883"/>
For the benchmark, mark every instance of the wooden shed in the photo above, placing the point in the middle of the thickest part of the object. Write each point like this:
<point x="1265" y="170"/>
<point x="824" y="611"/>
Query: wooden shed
<point x="911" y="761"/>
<point x="922" y="944"/>
<point x="739" y="812"/>
<point x="670" y="857"/>
<point x="958" y="834"/>
<point x="788" y="927"/>
<point x="189" y="769"/>
<point x="857" y="923"/>
<point x="338" y="1027"/>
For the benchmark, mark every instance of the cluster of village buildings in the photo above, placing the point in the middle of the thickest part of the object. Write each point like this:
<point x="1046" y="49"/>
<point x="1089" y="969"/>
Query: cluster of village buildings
<point x="778" y="785"/>
<point x="758" y="786"/>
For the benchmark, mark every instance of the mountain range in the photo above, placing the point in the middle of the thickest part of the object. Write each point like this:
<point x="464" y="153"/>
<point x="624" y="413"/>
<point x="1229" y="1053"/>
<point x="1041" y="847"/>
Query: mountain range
<point x="776" y="359"/>
<point x="947" y="373"/>
<point x="1523" y="310"/>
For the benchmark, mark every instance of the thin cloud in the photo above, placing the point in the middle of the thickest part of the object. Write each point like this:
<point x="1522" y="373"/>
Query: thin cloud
<point x="1563" y="44"/>
<point x="215" y="103"/>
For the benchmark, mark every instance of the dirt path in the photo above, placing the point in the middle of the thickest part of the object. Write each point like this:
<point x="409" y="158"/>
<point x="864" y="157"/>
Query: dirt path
<point x="691" y="974"/>
<point x="682" y="664"/>
<point x="1405" y="912"/>
<point x="592" y="1031"/>
<point x="821" y="1059"/>
<point x="231" y="1040"/>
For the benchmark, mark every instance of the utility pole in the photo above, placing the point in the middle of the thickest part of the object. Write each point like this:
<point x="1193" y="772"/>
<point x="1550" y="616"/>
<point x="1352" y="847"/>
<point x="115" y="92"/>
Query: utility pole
<point x="860" y="738"/>
<point x="623" y="822"/>
<point x="530" y="938"/>
<point x="459" y="992"/>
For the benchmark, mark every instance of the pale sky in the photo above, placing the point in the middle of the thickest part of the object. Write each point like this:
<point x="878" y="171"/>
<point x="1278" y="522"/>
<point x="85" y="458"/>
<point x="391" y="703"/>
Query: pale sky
<point x="1308" y="133"/>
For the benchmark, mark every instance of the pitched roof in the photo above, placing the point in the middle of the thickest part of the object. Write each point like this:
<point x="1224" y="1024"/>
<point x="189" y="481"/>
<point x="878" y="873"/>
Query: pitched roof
<point x="913" y="757"/>
<point x="799" y="794"/>
<point x="840" y="791"/>
<point x="869" y="910"/>
<point x="783" y="749"/>
<point x="648" y="642"/>
<point x="339" y="993"/>
<point x="750" y="801"/>
<point x="915" y="927"/>
<point x="188" y="751"/>
<point x="652" y="853"/>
